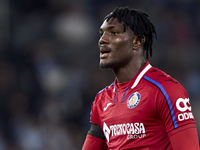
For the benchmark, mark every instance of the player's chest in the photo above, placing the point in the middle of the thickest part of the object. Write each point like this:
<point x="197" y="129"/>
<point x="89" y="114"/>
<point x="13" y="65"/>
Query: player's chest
<point x="128" y="106"/>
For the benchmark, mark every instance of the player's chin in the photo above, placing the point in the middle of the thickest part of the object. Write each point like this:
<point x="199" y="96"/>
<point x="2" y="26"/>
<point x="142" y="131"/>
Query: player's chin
<point x="104" y="65"/>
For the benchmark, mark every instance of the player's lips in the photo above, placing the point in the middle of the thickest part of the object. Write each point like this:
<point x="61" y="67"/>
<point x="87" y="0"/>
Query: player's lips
<point x="104" y="51"/>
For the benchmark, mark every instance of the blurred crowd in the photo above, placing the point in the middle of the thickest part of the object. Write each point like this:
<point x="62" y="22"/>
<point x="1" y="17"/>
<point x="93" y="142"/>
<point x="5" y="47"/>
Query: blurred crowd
<point x="49" y="73"/>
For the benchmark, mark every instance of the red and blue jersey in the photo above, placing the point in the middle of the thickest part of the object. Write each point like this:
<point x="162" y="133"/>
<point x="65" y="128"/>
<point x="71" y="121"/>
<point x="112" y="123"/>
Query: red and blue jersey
<point x="144" y="112"/>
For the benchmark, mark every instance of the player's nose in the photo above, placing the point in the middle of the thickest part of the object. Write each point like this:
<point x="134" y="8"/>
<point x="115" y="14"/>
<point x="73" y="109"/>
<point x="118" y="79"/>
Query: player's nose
<point x="103" y="39"/>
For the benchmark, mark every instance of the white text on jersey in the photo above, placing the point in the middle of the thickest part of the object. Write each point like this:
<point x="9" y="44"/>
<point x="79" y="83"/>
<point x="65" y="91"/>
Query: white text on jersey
<point x="132" y="130"/>
<point x="184" y="105"/>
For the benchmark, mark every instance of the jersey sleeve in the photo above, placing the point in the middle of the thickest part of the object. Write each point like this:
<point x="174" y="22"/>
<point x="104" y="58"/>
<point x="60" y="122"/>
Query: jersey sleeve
<point x="94" y="116"/>
<point x="92" y="143"/>
<point x="174" y="107"/>
<point x="185" y="138"/>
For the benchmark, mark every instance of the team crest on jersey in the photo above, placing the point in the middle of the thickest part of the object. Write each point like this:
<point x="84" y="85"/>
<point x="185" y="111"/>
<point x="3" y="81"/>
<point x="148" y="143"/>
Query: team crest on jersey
<point x="133" y="100"/>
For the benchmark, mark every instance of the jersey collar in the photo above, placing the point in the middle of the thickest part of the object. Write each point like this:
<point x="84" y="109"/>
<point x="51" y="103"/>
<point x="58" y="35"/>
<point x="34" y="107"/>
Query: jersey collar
<point x="134" y="82"/>
<point x="146" y="67"/>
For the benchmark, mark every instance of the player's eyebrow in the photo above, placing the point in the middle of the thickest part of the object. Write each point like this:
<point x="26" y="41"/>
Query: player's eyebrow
<point x="108" y="28"/>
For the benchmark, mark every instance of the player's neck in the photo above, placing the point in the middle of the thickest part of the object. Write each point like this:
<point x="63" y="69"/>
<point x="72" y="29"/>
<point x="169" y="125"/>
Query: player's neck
<point x="127" y="73"/>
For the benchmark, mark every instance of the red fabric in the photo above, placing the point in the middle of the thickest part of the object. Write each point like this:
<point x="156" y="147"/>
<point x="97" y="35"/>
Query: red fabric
<point x="141" y="113"/>
<point x="185" y="139"/>
<point x="92" y="143"/>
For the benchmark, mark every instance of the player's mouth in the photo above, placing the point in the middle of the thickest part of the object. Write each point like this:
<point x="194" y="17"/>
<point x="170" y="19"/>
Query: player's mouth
<point x="104" y="51"/>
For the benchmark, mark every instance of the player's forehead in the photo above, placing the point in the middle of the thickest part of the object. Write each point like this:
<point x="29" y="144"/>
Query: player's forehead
<point x="112" y="23"/>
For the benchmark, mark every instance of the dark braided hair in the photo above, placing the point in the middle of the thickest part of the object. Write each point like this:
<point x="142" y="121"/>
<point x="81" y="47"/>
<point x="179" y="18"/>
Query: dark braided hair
<point x="139" y="23"/>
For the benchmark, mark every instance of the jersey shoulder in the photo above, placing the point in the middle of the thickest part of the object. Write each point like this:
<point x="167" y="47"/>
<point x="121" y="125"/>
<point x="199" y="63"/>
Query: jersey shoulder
<point x="99" y="103"/>
<point x="163" y="81"/>
<point x="171" y="94"/>
<point x="107" y="91"/>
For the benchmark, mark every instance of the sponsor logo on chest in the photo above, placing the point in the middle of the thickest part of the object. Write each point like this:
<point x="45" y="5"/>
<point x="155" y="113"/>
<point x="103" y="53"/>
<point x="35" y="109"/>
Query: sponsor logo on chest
<point x="131" y="130"/>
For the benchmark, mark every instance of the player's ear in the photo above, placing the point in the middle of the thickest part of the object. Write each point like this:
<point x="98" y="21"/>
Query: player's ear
<point x="138" y="41"/>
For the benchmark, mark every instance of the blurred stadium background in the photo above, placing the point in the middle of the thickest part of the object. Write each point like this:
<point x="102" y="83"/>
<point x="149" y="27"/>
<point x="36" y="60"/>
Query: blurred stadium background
<point x="49" y="72"/>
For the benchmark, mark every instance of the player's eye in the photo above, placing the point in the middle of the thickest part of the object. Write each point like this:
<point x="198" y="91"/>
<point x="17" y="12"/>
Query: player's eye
<point x="100" y="33"/>
<point x="113" y="33"/>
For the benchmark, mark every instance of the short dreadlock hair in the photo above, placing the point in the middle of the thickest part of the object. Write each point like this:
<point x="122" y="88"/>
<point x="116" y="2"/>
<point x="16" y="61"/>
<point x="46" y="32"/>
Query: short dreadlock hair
<point x="139" y="23"/>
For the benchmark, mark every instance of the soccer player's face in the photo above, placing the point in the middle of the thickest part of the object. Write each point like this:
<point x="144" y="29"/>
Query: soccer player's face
<point x="115" y="44"/>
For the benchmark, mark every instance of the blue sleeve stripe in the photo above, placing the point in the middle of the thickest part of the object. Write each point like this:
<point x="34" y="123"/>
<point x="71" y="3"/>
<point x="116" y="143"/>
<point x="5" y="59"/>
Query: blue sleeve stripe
<point x="166" y="97"/>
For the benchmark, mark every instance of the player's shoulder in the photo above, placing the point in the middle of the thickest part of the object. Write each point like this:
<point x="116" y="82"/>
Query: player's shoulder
<point x="162" y="80"/>
<point x="108" y="90"/>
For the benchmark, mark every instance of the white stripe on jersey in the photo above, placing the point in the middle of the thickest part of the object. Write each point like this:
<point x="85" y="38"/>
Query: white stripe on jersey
<point x="140" y="75"/>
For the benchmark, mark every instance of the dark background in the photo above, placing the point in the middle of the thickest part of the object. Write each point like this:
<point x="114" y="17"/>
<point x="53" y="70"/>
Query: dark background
<point x="49" y="73"/>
